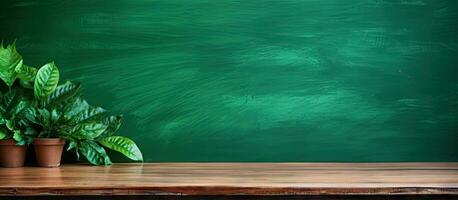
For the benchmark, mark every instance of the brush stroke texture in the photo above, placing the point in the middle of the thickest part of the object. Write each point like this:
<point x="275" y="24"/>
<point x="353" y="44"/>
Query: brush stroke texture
<point x="270" y="80"/>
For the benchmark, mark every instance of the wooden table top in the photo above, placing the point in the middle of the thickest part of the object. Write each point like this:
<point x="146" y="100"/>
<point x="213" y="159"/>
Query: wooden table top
<point x="233" y="179"/>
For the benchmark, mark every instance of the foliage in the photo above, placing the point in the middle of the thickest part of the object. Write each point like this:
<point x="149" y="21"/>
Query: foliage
<point x="14" y="99"/>
<point x="9" y="61"/>
<point x="46" y="80"/>
<point x="66" y="115"/>
<point x="12" y="109"/>
<point x="45" y="109"/>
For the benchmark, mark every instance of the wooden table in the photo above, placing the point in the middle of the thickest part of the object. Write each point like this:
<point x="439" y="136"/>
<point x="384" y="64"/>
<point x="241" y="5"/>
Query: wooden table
<point x="234" y="179"/>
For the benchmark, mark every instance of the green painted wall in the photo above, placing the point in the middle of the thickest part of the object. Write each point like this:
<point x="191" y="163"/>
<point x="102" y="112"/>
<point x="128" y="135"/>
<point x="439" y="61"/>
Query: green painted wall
<point x="259" y="80"/>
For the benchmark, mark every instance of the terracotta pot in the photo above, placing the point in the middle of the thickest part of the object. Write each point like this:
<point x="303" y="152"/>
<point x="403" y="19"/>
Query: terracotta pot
<point x="12" y="155"/>
<point x="48" y="151"/>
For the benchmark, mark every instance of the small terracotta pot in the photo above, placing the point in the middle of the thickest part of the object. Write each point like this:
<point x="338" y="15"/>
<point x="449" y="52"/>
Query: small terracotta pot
<point x="12" y="155"/>
<point x="48" y="151"/>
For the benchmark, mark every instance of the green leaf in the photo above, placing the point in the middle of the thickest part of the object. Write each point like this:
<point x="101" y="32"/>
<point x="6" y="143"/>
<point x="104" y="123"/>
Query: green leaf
<point x="88" y="130"/>
<point x="46" y="80"/>
<point x="89" y="114"/>
<point x="74" y="145"/>
<point x="113" y="123"/>
<point x="74" y="107"/>
<point x="30" y="131"/>
<point x="9" y="101"/>
<point x="9" y="124"/>
<point x="21" y="139"/>
<point x="94" y="153"/>
<point x="3" y="134"/>
<point x="123" y="145"/>
<point x="71" y="145"/>
<point x="18" y="136"/>
<point x="62" y="93"/>
<point x="26" y="73"/>
<point x="44" y="117"/>
<point x="26" y="84"/>
<point x="32" y="115"/>
<point x="10" y="59"/>
<point x="20" y="108"/>
<point x="54" y="116"/>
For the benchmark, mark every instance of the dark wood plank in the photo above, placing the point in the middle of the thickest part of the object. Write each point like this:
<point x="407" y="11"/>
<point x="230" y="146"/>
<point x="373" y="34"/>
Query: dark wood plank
<point x="180" y="197"/>
<point x="234" y="179"/>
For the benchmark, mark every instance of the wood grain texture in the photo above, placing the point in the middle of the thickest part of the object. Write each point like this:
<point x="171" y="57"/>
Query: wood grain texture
<point x="234" y="179"/>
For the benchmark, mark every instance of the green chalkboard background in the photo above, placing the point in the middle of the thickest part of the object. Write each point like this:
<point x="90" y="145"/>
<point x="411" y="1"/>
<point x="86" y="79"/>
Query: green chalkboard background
<point x="259" y="80"/>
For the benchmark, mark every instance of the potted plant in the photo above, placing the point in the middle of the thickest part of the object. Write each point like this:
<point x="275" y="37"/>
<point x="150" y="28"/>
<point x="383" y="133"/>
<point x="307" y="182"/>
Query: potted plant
<point x="36" y="106"/>
<point x="59" y="114"/>
<point x="13" y="141"/>
<point x="14" y="99"/>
